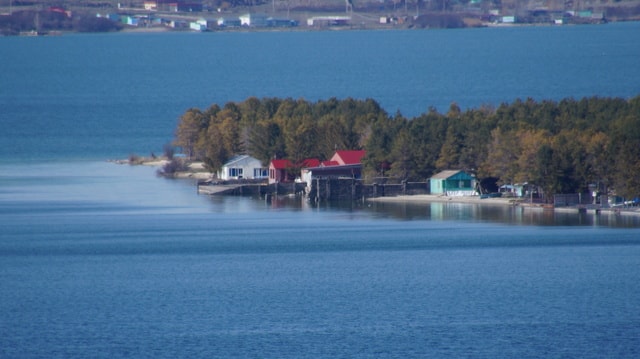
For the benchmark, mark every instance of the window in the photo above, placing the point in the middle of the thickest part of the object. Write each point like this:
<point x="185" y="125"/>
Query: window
<point x="235" y="172"/>
<point x="260" y="172"/>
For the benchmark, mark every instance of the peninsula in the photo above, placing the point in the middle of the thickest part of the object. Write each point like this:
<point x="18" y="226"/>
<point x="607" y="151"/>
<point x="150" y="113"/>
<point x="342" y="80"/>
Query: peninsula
<point x="568" y="153"/>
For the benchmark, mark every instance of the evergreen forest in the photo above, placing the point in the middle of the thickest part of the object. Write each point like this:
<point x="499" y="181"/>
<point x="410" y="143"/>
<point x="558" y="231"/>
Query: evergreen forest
<point x="566" y="146"/>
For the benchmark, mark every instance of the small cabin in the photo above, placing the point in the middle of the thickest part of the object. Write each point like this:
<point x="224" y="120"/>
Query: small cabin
<point x="242" y="167"/>
<point x="280" y="171"/>
<point x="453" y="183"/>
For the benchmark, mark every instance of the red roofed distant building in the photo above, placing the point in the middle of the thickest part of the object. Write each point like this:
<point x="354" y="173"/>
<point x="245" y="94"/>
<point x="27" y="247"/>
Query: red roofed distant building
<point x="59" y="10"/>
<point x="329" y="163"/>
<point x="310" y="162"/>
<point x="348" y="157"/>
<point x="278" y="171"/>
<point x="343" y="164"/>
<point x="281" y="170"/>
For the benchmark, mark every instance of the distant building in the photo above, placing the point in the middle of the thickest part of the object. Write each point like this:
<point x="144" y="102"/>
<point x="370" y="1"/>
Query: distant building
<point x="178" y="24"/>
<point x="243" y="167"/>
<point x="285" y="171"/>
<point x="185" y="7"/>
<point x="199" y="25"/>
<point x="150" y="5"/>
<point x="130" y="20"/>
<point x="227" y="22"/>
<point x="254" y="20"/>
<point x="453" y="183"/>
<point x="172" y="5"/>
<point x="328" y="21"/>
<point x="388" y="20"/>
<point x="113" y="16"/>
<point x="348" y="157"/>
<point x="278" y="171"/>
<point x="157" y="5"/>
<point x="343" y="164"/>
<point x="275" y="22"/>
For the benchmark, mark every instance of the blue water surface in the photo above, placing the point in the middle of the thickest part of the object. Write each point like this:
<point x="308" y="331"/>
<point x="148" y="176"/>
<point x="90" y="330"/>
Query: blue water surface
<point x="106" y="261"/>
<point x="106" y="96"/>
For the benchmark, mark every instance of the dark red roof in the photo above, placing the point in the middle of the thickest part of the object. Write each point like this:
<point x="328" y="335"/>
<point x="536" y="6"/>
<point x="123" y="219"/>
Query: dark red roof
<point x="284" y="164"/>
<point x="281" y="164"/>
<point x="58" y="9"/>
<point x="330" y="163"/>
<point x="348" y="157"/>
<point x="311" y="162"/>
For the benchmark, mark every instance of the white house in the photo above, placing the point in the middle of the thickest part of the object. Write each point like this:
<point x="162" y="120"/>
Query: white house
<point x="226" y="22"/>
<point x="243" y="166"/>
<point x="254" y="20"/>
<point x="199" y="25"/>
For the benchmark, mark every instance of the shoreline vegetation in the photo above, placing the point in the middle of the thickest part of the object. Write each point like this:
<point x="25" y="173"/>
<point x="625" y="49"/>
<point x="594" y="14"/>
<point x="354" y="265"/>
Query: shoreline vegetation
<point x="591" y="145"/>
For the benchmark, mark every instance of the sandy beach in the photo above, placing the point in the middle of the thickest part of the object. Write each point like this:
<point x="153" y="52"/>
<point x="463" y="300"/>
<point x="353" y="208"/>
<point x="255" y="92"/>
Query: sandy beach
<point x="196" y="170"/>
<point x="456" y="199"/>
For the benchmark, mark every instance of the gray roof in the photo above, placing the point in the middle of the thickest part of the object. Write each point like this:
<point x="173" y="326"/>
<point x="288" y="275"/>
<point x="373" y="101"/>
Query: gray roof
<point x="446" y="174"/>
<point x="236" y="159"/>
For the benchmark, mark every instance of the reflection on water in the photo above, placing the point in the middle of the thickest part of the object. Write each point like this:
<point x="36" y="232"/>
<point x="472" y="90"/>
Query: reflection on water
<point x="501" y="214"/>
<point x="105" y="188"/>
<point x="447" y="211"/>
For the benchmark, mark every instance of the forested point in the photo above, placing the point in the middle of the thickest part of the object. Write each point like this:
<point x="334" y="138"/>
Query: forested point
<point x="566" y="146"/>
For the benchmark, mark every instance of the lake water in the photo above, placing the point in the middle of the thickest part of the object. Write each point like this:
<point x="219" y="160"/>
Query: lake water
<point x="106" y="260"/>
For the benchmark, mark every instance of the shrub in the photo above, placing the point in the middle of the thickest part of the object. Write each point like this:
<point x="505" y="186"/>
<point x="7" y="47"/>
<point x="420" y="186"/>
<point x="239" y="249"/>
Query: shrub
<point x="172" y="167"/>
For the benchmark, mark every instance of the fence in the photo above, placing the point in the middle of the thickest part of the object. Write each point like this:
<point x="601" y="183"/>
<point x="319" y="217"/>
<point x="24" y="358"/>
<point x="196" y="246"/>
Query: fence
<point x="339" y="189"/>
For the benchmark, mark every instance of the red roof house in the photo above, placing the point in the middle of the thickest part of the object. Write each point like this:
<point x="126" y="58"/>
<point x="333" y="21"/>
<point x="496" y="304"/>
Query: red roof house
<point x="348" y="157"/>
<point x="343" y="164"/>
<point x="329" y="163"/>
<point x="278" y="171"/>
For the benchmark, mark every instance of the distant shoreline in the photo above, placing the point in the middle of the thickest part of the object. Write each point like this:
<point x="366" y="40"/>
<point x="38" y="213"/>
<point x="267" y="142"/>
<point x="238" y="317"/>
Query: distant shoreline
<point x="197" y="171"/>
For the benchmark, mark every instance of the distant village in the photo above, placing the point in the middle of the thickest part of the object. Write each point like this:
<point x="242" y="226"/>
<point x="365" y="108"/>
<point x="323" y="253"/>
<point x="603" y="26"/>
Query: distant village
<point x="37" y="18"/>
<point x="158" y="13"/>
<point x="340" y="179"/>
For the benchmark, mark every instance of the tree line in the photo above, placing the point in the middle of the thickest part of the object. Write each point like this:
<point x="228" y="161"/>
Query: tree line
<point x="564" y="146"/>
<point x="46" y="20"/>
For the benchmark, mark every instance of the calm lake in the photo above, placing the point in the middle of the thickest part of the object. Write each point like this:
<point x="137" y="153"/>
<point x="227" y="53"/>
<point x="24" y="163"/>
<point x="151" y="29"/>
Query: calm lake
<point x="104" y="260"/>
